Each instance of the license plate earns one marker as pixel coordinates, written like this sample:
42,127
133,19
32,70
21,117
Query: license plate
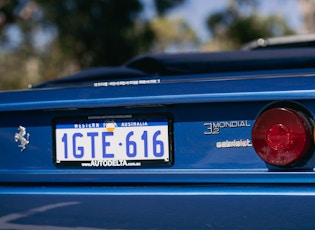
113,141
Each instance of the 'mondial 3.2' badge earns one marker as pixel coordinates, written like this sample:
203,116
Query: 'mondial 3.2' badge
229,134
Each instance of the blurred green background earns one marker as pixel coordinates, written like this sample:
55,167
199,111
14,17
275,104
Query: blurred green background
42,40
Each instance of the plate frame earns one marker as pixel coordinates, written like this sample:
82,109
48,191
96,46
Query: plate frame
122,117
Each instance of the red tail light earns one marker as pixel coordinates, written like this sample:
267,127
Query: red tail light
282,136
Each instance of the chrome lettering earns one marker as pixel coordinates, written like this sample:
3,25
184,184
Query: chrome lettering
213,128
234,143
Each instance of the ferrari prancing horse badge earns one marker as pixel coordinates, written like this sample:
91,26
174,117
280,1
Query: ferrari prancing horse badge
22,137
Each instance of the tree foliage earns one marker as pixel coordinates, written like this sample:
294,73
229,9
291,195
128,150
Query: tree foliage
99,32
240,23
86,33
162,6
172,34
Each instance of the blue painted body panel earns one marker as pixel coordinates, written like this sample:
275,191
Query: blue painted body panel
163,207
206,187
269,85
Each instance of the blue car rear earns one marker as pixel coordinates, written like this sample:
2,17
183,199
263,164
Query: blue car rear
191,141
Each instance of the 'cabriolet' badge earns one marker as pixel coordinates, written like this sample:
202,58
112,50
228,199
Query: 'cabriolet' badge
24,140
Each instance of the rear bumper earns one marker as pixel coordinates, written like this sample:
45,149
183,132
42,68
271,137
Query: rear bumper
216,206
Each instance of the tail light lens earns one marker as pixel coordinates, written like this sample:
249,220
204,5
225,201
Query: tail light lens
282,136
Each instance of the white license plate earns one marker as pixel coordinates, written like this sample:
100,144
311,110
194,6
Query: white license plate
113,142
